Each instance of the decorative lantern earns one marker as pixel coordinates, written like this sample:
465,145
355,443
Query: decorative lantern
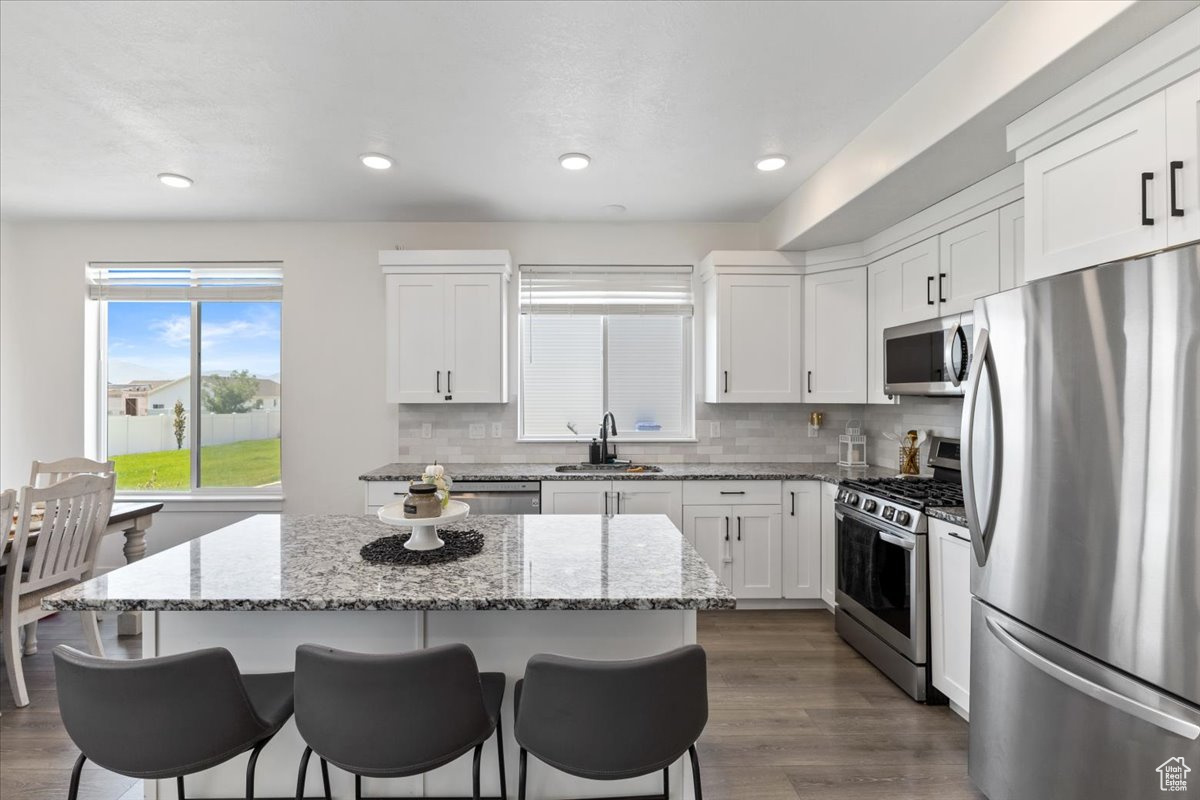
852,446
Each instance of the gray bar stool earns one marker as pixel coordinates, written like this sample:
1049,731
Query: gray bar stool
167,717
608,720
396,715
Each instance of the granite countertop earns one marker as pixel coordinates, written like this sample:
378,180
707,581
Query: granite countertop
289,562
955,514
828,472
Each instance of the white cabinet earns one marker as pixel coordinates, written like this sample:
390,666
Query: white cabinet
1012,245
835,336
802,540
950,610
1128,185
753,338
446,325
900,289
736,527
614,497
757,570
708,530
828,545
968,263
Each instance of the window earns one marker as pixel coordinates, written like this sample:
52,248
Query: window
596,339
190,368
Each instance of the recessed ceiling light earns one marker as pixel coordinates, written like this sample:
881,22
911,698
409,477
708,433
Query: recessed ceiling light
175,181
376,160
771,163
574,160
614,209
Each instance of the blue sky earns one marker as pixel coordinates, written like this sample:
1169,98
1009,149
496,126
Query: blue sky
150,341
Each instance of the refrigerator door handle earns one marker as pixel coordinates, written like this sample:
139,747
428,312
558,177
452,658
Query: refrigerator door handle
980,526
1123,703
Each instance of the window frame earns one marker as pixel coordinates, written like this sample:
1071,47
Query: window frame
259,498
628,437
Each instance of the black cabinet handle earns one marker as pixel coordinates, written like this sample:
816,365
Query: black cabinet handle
439,382
727,529
793,504
929,290
448,389
724,492
726,381
1146,178
739,529
954,535
1176,211
941,279
810,381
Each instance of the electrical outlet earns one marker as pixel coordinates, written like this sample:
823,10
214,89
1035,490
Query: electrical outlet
714,430
476,430
426,430
497,430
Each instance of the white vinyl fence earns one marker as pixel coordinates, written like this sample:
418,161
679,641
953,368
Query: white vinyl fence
148,434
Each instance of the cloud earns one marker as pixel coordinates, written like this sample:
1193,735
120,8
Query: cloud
173,331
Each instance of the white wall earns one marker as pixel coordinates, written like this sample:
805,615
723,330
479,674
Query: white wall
332,324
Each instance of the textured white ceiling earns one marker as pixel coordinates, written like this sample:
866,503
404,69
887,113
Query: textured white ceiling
267,105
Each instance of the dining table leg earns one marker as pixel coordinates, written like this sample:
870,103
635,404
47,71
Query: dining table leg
129,623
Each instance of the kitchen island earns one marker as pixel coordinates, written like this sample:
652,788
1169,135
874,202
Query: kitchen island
586,586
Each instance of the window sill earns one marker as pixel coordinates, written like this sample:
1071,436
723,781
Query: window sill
182,501
630,442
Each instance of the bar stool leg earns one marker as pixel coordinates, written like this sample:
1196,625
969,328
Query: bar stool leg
325,778
521,775
179,787
358,787
695,772
500,756
666,783
73,792
303,772
475,771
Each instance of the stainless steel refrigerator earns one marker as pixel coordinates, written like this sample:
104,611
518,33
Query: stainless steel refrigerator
1081,471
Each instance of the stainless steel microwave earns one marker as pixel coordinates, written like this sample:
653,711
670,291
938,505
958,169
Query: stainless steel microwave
930,357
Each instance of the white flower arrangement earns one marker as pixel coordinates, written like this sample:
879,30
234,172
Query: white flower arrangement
436,474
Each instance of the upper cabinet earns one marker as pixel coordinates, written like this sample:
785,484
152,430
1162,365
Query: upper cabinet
447,325
968,264
1112,162
835,336
753,334
1012,245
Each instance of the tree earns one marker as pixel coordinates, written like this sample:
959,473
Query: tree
180,424
229,394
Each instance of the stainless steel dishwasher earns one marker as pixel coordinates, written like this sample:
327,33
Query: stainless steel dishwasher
499,497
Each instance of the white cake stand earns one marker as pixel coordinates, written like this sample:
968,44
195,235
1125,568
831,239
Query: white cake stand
424,531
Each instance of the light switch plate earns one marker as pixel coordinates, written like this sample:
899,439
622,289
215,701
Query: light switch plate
497,430
476,430
714,430
426,430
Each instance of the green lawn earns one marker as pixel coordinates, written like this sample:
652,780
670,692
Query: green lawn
251,463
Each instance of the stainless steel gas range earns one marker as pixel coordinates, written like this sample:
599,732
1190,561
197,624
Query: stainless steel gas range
883,567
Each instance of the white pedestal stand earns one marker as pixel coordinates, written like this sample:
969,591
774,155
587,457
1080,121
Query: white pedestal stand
424,531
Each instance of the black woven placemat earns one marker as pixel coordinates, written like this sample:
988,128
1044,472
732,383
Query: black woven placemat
390,549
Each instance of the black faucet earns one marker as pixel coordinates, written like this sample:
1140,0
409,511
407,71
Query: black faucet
606,456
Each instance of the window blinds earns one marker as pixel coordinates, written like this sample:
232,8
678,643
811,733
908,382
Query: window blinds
570,290
186,281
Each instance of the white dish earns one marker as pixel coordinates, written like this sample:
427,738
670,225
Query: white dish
424,531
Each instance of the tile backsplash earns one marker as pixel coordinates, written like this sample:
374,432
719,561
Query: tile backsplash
747,433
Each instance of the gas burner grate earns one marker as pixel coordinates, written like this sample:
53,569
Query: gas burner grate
912,492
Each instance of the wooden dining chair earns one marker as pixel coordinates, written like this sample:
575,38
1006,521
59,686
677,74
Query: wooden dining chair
63,553
47,473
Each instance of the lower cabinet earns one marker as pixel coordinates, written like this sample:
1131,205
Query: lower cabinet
614,497
707,529
576,497
950,610
828,544
802,540
741,544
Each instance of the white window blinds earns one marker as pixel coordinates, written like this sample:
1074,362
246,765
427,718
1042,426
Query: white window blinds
186,281
637,290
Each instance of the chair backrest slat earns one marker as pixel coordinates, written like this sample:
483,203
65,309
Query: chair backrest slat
48,473
76,511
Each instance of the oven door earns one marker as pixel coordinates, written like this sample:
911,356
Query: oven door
881,580
929,358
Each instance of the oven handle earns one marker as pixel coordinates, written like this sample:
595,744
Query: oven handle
899,541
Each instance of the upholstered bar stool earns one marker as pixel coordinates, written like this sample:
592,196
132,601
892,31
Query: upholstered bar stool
167,717
609,720
392,716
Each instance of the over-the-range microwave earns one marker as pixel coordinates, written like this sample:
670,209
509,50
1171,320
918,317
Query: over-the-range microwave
930,357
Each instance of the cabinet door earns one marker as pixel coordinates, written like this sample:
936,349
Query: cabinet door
950,609
475,344
828,545
759,319
757,549
802,539
835,336
1183,159
576,497
1084,195
415,314
650,497
968,263
1012,245
900,289
708,530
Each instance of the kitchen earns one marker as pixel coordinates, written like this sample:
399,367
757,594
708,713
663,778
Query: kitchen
748,382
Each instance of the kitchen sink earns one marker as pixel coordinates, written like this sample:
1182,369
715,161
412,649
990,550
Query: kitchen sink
634,468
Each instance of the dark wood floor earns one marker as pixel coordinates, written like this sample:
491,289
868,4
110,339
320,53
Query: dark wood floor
795,715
